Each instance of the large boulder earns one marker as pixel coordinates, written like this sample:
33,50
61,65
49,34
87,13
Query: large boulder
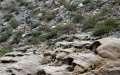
107,48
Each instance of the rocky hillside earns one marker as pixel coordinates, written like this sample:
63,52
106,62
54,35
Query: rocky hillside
59,37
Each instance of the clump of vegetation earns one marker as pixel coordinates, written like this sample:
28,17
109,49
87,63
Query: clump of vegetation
86,1
71,7
102,30
30,7
111,22
35,33
77,18
0,7
44,28
16,38
107,26
49,17
59,19
34,25
89,23
11,8
7,17
105,11
5,50
4,36
24,3
34,12
117,2
14,23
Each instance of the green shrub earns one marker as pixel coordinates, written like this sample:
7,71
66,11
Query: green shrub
44,28
4,36
59,19
34,25
52,34
77,18
27,19
35,33
90,22
86,1
111,22
11,8
117,1
105,11
49,17
24,3
16,38
71,7
30,7
14,23
5,50
7,17
102,30
92,6
34,12
0,7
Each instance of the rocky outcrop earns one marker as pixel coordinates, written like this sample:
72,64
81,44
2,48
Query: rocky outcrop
102,59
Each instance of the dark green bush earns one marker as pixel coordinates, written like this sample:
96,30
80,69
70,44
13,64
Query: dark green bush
111,22
16,38
0,7
117,1
102,30
34,12
24,3
5,50
86,1
49,17
59,19
105,11
35,33
90,22
44,28
77,18
71,7
34,25
14,23
4,36
7,17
